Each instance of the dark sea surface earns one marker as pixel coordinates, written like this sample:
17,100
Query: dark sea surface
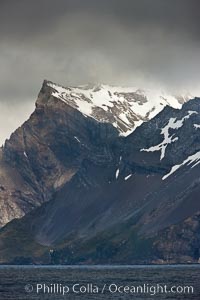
99,282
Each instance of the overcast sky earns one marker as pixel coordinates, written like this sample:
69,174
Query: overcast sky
144,43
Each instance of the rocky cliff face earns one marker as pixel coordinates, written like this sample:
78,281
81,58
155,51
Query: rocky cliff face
101,197
45,153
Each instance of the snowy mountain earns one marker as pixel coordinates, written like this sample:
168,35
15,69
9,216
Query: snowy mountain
92,196
124,107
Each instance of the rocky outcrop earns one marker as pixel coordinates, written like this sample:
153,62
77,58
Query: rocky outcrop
180,243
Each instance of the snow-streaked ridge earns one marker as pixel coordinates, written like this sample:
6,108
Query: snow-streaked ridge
124,107
167,138
195,158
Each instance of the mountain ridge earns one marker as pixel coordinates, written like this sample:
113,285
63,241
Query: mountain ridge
117,203
124,107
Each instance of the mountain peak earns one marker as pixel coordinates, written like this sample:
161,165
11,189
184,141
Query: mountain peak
124,107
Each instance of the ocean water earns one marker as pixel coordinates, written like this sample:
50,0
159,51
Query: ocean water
100,282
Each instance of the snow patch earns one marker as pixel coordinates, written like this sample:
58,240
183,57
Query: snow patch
77,139
196,126
117,173
172,124
129,176
191,159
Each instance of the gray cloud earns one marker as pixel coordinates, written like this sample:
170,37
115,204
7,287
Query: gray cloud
142,42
